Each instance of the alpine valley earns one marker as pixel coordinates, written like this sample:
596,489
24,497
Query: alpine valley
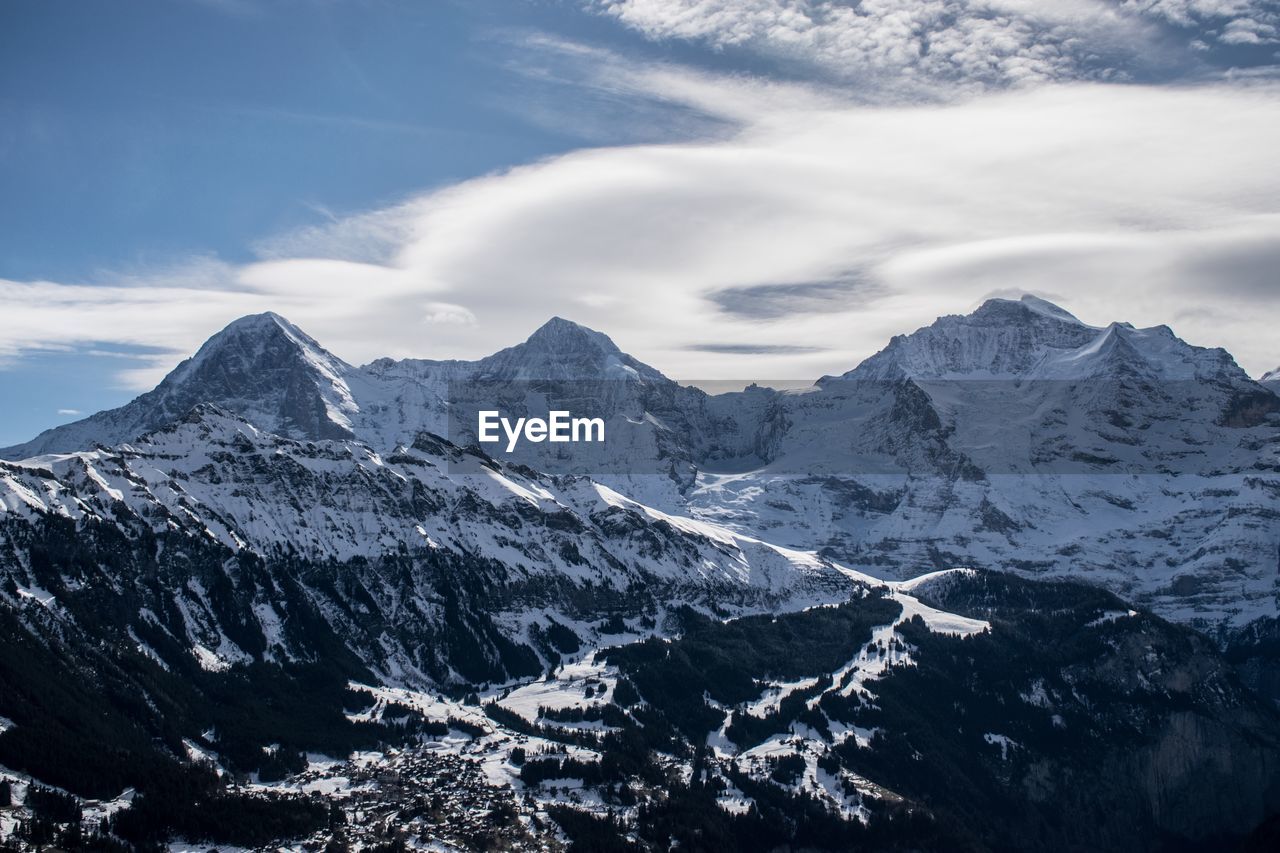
1012,583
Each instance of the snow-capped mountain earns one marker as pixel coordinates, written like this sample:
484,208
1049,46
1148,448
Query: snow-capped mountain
1271,379
261,367
1015,437
268,371
1002,339
960,710
561,350
1030,338
1019,437
648,418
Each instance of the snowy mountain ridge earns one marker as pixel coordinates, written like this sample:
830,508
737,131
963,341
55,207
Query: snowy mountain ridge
271,372
215,478
274,374
1014,437
247,488
1020,438
1032,339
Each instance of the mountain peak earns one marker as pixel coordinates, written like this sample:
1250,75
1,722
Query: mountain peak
262,320
561,335
1033,338
259,367
1027,304
263,327
1048,309
262,364
1003,337
563,349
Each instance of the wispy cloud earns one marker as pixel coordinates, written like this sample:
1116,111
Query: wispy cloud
69,413
773,301
754,349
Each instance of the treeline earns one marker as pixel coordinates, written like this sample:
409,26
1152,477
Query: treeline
727,661
747,730
689,818
193,804
511,720
597,712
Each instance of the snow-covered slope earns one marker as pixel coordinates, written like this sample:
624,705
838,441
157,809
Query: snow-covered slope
1271,379
1003,338
563,545
216,473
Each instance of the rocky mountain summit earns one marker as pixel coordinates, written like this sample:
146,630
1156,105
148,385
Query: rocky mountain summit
261,367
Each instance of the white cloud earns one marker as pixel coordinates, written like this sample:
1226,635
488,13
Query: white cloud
924,45
790,248
68,413
1225,20
920,43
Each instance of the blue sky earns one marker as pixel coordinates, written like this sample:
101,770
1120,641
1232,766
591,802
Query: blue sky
729,189
142,132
